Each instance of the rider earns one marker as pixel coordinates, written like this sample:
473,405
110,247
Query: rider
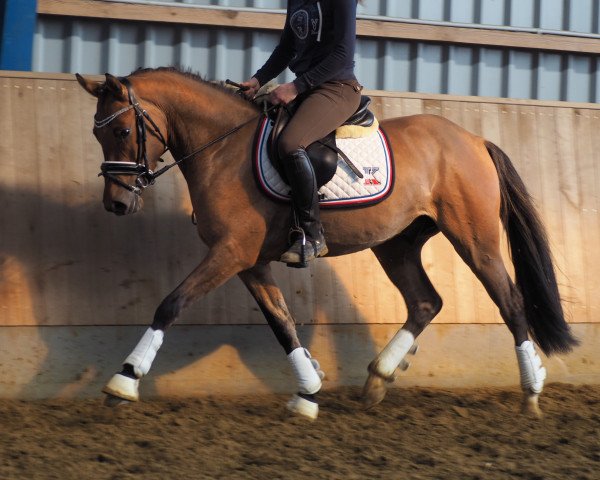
317,43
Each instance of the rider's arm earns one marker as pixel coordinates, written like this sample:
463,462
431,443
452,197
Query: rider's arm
344,37
279,59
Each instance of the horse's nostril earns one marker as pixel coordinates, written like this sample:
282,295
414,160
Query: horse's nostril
119,208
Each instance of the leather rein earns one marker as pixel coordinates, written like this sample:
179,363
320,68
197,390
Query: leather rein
141,168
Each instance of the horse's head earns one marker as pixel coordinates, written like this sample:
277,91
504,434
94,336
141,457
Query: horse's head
130,133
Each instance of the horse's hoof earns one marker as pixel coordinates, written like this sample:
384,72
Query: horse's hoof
123,387
114,402
531,406
374,391
303,407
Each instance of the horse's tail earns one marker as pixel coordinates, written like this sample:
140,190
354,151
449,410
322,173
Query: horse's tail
530,253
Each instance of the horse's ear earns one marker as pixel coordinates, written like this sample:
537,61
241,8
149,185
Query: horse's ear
114,86
90,86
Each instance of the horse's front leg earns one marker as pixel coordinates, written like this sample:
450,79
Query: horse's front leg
262,286
221,263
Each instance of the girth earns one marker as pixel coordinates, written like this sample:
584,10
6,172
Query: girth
323,153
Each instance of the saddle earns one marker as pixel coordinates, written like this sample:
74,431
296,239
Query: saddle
323,153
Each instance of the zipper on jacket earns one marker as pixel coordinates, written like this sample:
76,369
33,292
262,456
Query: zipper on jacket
320,21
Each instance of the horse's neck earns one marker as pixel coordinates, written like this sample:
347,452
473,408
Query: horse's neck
200,116
203,115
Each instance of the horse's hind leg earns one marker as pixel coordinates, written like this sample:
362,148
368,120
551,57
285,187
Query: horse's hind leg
400,257
262,286
477,241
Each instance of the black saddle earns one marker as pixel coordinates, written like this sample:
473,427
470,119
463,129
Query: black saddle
323,153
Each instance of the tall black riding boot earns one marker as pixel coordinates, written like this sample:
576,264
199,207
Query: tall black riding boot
310,243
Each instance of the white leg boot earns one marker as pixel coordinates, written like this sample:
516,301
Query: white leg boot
381,370
308,375
141,360
533,375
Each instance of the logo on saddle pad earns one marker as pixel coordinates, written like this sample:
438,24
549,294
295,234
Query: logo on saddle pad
370,173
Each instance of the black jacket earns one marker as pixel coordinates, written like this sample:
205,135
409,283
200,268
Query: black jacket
317,43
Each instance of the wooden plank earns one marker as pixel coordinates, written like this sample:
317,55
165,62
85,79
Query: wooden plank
26,204
53,226
550,203
231,18
376,297
161,13
476,36
15,292
588,158
593,218
570,196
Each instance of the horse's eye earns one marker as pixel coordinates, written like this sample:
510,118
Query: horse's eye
122,133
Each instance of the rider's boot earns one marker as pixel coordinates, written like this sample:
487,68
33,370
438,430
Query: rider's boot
310,243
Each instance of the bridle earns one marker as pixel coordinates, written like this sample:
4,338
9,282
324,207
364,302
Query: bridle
144,176
140,168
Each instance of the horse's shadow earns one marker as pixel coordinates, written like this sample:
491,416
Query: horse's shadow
83,269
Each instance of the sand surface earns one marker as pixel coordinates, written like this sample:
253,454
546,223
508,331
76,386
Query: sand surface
413,434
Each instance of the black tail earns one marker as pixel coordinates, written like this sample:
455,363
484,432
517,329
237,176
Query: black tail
531,257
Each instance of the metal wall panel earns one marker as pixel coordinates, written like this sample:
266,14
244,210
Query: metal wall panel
567,15
65,44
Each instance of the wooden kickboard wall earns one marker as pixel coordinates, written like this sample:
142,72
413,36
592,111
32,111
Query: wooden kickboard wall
65,261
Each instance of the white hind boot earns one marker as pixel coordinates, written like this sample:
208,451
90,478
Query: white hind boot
533,375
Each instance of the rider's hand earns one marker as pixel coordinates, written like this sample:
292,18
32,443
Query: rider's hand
283,94
253,87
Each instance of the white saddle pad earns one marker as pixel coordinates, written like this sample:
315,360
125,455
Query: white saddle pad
371,155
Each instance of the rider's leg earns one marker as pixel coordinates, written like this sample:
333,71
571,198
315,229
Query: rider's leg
322,110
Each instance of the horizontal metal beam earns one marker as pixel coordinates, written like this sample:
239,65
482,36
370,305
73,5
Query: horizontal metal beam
245,18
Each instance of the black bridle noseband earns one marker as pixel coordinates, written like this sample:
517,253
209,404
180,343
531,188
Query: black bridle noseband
140,168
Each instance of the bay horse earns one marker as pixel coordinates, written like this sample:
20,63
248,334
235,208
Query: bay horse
452,181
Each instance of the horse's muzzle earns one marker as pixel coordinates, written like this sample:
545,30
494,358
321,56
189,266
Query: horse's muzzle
124,205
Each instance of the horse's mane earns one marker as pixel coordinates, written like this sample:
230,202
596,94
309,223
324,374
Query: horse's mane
189,73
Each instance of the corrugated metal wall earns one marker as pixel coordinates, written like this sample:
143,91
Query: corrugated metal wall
69,44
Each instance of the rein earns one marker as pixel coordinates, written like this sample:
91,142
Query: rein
140,168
